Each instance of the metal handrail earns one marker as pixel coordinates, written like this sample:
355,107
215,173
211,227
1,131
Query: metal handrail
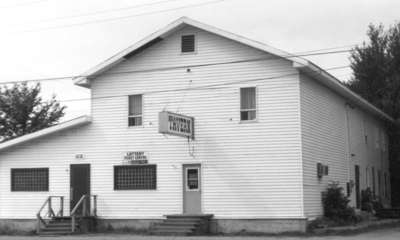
50,211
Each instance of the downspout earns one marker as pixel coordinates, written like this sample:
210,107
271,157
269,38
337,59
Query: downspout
348,145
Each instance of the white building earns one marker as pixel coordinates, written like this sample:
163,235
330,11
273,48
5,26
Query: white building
263,120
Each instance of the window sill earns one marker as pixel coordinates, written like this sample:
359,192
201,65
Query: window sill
139,126
248,121
147,190
188,53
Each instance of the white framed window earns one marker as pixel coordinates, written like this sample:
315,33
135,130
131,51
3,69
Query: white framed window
135,117
192,179
248,104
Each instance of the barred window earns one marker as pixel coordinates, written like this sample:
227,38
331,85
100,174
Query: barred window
29,179
135,177
247,104
187,43
135,110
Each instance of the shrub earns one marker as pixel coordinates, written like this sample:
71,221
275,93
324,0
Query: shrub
367,199
369,202
336,205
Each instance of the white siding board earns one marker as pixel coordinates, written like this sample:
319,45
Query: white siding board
325,139
250,170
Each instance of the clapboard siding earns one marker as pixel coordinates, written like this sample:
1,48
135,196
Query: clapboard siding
329,138
249,170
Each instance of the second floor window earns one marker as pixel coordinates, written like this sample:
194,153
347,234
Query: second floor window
135,117
247,104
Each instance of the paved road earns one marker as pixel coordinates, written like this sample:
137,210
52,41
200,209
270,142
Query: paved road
384,234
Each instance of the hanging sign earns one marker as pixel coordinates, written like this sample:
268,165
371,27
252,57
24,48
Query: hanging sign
136,158
176,124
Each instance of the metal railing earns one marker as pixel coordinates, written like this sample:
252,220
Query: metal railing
50,211
83,204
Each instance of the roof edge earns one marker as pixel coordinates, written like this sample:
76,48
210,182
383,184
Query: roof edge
82,120
84,79
333,83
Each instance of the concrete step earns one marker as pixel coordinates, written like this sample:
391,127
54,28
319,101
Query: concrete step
189,216
60,225
180,232
61,219
169,227
183,220
188,224
57,228
183,224
60,222
57,233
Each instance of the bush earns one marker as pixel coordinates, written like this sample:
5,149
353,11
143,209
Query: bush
336,205
369,202
367,199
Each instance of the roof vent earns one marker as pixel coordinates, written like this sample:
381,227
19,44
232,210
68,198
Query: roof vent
187,43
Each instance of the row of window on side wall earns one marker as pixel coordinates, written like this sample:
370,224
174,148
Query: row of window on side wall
248,105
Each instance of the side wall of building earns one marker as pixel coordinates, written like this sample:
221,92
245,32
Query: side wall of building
340,136
250,170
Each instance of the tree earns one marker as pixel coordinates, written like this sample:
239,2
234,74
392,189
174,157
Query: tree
23,111
376,68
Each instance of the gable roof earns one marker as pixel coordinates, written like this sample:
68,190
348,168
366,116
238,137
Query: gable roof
299,63
47,131
162,33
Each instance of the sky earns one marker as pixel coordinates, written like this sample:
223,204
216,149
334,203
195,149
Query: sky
58,38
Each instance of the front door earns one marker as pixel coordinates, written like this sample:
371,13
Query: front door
79,184
191,189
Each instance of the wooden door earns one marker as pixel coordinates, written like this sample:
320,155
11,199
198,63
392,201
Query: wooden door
79,184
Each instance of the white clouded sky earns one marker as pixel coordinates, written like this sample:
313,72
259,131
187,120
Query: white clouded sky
47,38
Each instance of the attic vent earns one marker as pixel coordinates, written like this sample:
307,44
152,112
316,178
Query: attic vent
187,43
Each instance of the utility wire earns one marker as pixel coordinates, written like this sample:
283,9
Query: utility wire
22,4
204,87
107,11
332,48
176,67
122,17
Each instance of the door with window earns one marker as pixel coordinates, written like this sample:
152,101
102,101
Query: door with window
191,188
